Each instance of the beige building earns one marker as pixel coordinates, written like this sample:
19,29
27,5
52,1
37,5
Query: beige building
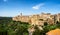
38,19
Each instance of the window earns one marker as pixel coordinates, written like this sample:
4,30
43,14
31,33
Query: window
41,19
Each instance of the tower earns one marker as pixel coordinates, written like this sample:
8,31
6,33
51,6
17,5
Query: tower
20,14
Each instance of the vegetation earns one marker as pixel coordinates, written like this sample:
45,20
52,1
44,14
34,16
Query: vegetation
10,27
46,28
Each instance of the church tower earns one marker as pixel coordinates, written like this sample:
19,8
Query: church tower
20,14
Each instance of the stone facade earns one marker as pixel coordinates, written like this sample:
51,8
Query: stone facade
38,19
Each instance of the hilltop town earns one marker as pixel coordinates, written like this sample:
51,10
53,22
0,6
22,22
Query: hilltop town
36,24
38,19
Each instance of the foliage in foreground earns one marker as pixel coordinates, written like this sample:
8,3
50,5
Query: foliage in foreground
46,28
10,27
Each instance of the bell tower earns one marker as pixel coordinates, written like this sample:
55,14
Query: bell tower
20,14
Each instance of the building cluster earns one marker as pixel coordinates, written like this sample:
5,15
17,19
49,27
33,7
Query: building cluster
38,19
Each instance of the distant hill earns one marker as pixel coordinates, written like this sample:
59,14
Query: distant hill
5,18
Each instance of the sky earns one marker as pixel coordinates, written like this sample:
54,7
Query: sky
13,8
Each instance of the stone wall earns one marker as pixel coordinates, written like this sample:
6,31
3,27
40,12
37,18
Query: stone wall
38,19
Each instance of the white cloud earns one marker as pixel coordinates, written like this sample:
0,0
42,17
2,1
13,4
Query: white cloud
4,0
36,7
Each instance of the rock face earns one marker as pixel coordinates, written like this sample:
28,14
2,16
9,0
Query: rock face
31,30
38,19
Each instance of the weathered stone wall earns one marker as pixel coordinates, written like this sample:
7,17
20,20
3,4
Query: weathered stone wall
38,19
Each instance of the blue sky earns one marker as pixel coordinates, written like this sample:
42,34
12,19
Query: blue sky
28,7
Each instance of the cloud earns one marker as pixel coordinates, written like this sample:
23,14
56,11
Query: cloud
36,7
4,0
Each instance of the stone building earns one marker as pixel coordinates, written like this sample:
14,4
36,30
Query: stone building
38,19
58,17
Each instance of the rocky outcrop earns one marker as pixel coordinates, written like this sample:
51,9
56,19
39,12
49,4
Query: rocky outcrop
38,19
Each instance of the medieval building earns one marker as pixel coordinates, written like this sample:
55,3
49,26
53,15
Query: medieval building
38,19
